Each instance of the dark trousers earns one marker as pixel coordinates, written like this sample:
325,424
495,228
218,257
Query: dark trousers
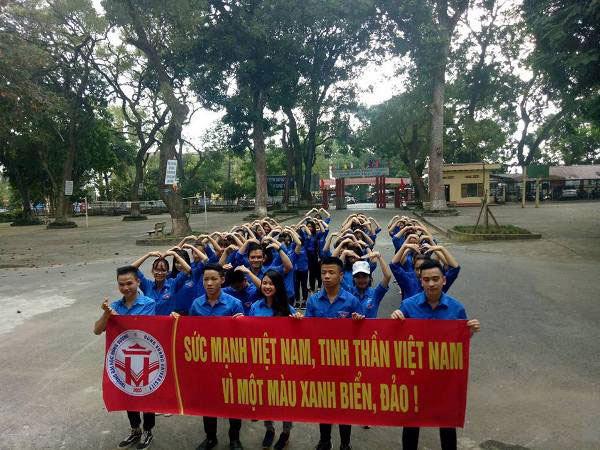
314,271
410,438
345,431
301,281
210,428
135,420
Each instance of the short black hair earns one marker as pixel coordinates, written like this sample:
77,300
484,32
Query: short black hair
234,277
127,269
331,260
254,246
432,264
215,267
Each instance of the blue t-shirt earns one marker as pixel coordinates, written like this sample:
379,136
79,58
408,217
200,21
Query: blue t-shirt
165,295
247,296
411,285
301,262
371,299
449,308
143,306
318,305
226,305
260,308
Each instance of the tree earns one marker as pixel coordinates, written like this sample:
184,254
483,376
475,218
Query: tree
566,49
249,46
64,35
159,30
335,39
138,94
424,30
400,127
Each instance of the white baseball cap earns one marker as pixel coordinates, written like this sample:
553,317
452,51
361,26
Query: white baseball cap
361,267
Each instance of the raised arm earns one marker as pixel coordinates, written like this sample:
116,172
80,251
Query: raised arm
443,251
138,262
100,324
197,253
180,260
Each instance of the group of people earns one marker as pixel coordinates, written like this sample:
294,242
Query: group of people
266,269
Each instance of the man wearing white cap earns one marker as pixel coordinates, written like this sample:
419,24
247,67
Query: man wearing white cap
369,297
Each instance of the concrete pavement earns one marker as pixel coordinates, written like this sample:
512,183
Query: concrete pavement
534,367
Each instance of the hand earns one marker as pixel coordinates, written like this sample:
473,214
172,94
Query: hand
155,253
232,248
236,315
227,267
274,245
357,316
188,246
106,307
297,316
474,326
242,268
175,315
372,255
397,314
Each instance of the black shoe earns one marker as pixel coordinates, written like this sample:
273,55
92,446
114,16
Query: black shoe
345,447
366,427
235,445
207,444
135,436
282,442
268,439
145,441
323,445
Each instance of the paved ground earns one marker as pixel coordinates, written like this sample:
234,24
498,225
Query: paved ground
535,370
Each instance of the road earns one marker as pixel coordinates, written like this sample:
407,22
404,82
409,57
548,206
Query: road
535,369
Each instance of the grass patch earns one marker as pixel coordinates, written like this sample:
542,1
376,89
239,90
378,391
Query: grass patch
501,229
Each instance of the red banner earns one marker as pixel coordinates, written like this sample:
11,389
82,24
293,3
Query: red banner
368,372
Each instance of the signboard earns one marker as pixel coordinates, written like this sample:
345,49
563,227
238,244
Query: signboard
68,187
368,372
171,172
538,171
361,173
141,189
277,182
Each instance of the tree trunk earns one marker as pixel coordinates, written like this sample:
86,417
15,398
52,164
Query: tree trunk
417,181
297,152
23,189
289,159
167,151
437,196
136,210
63,205
260,165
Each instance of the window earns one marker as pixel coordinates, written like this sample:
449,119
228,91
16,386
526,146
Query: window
471,190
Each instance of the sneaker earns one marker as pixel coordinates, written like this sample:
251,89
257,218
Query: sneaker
145,441
235,445
282,442
366,427
134,437
268,439
207,444
323,445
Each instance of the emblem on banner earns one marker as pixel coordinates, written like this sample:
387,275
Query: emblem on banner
136,363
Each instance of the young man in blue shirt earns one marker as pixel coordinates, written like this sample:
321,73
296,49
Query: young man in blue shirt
333,302
133,303
432,303
213,303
